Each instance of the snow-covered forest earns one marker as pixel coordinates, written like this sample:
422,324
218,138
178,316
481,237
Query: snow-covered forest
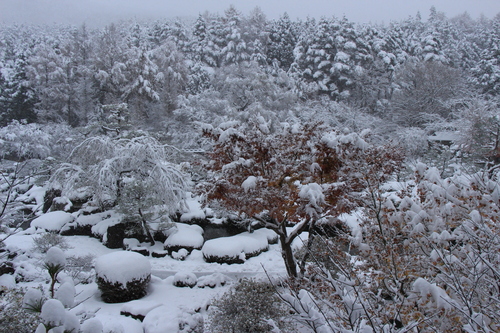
234,173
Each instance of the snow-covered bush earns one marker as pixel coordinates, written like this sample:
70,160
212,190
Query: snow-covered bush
54,263
47,240
33,300
425,255
184,236
213,280
162,319
92,325
122,276
250,306
79,268
53,314
185,279
132,173
13,317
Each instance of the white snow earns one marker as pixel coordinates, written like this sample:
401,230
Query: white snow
32,298
66,294
234,246
185,235
161,320
8,281
195,211
55,256
185,279
101,228
213,280
122,267
92,325
53,313
53,221
139,307
250,183
71,323
439,296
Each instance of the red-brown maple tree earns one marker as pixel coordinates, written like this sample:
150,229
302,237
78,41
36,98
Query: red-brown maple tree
293,176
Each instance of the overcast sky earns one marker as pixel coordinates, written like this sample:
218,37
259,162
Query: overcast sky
103,11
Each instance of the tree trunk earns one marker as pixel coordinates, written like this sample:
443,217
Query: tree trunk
287,253
146,228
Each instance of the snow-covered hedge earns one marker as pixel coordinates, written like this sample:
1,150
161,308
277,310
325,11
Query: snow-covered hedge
122,276
184,236
236,249
185,279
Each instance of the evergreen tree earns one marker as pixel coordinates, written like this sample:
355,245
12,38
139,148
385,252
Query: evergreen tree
235,49
18,99
283,37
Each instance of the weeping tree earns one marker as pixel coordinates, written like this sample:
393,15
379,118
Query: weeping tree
133,175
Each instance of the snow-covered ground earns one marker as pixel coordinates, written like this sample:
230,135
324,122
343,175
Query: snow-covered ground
165,303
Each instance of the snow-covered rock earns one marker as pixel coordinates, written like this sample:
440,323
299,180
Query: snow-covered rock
235,249
53,221
195,211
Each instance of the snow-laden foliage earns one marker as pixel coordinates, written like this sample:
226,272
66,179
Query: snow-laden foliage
122,267
294,174
110,165
122,276
427,260
250,306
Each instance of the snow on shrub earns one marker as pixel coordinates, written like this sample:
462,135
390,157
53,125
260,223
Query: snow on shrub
53,313
71,323
92,326
138,309
55,257
122,276
180,255
53,221
184,236
213,280
33,300
66,294
195,212
185,279
235,249
161,319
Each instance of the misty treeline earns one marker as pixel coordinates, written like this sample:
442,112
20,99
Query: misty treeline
410,78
